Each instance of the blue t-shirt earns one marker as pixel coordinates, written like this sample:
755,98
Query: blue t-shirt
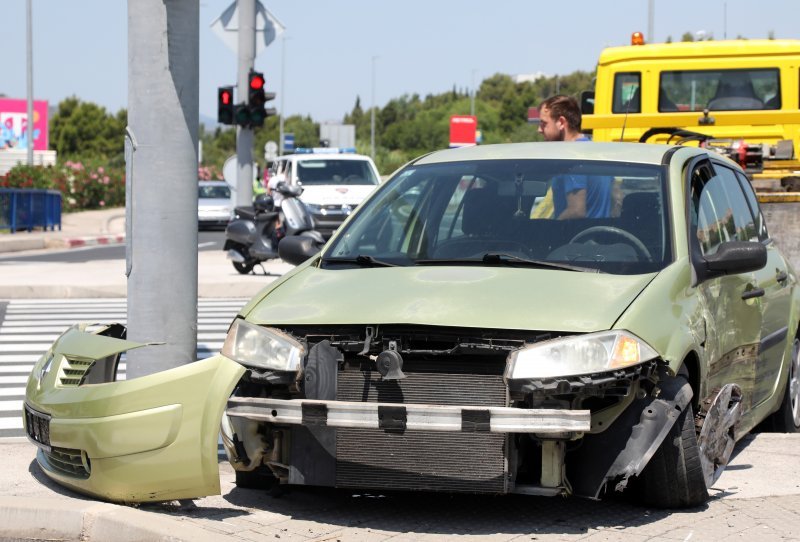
598,192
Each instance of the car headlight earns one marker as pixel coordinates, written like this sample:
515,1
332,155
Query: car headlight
578,355
264,347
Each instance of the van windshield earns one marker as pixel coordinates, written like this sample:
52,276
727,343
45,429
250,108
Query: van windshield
719,90
333,171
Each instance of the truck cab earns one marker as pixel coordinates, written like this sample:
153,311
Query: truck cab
739,97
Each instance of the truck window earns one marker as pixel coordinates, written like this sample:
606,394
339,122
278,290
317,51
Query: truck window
627,93
719,90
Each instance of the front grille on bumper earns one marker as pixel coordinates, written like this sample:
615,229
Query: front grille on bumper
66,462
422,460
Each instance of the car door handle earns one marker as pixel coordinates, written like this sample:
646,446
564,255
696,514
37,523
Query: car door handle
755,292
781,276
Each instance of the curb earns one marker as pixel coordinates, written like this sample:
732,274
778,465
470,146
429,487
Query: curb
76,242
48,519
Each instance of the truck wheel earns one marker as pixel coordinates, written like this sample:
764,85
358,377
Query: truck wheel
791,183
674,476
787,418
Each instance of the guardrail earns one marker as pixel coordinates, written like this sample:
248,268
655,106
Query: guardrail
25,209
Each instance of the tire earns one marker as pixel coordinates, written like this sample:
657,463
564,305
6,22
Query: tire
261,478
674,476
787,418
243,268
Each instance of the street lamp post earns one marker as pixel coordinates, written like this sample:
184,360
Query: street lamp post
372,113
283,93
472,98
29,129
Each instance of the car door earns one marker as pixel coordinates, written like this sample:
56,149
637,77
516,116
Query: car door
730,304
775,305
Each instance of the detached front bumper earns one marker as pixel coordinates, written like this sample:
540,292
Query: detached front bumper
153,438
392,416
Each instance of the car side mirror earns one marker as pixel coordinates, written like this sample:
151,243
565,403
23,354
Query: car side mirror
736,257
297,249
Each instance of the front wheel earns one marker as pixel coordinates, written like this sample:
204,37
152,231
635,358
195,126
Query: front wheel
243,267
674,476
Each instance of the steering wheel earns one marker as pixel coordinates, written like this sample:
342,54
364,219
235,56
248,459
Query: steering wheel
627,236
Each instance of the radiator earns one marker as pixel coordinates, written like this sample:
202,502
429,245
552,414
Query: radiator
422,460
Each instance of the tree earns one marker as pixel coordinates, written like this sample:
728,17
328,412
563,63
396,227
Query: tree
84,130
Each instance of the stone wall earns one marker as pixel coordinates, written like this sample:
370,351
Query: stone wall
782,213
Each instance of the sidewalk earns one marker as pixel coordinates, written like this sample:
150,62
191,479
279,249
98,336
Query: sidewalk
104,226
106,278
756,498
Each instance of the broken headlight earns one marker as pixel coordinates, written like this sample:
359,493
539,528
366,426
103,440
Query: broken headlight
263,347
578,355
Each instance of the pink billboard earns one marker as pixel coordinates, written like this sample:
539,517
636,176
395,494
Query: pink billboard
14,124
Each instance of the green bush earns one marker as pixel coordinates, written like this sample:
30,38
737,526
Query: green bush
83,185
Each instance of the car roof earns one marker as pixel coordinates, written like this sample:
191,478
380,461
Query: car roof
213,183
580,150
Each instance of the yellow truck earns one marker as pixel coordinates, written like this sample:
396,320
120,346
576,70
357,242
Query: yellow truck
739,97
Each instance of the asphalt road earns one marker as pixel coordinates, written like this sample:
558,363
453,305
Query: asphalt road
207,240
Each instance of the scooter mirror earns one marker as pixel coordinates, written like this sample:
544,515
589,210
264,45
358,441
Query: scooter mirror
297,249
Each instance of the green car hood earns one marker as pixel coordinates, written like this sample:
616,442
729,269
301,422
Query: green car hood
476,297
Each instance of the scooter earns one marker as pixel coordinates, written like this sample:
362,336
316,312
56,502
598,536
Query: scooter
252,236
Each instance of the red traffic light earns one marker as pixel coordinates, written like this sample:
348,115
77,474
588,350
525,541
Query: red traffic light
256,81
225,97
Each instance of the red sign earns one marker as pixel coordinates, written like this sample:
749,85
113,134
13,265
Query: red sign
14,124
533,115
462,130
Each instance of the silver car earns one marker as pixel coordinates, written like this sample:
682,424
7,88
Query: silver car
214,204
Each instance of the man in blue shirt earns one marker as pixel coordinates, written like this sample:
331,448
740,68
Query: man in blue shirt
574,196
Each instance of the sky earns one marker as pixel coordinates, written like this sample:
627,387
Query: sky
332,46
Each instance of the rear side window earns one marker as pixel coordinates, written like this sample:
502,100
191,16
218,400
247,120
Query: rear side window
719,90
627,93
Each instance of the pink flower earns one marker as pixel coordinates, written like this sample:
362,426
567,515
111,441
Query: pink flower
105,179
102,203
100,170
93,175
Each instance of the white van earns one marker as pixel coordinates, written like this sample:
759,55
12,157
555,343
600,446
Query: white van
334,182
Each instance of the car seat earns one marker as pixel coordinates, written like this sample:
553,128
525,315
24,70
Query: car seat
735,91
641,216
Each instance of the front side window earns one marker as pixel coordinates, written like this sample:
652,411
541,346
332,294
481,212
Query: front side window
722,212
465,213
332,171
719,90
627,93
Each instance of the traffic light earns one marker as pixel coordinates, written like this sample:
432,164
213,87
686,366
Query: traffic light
225,105
256,100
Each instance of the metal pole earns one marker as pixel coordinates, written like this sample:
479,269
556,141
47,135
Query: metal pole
472,98
651,8
244,136
161,164
725,20
29,129
372,113
283,93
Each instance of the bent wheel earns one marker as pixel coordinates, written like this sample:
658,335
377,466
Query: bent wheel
716,439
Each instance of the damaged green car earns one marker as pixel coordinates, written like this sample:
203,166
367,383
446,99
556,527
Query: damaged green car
460,334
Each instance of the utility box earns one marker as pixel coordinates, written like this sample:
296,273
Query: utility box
338,135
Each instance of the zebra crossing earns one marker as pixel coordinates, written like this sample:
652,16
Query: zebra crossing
29,327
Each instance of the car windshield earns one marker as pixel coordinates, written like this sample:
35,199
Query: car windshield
332,171
214,192
513,212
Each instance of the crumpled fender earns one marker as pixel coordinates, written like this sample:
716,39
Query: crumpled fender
153,438
625,448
